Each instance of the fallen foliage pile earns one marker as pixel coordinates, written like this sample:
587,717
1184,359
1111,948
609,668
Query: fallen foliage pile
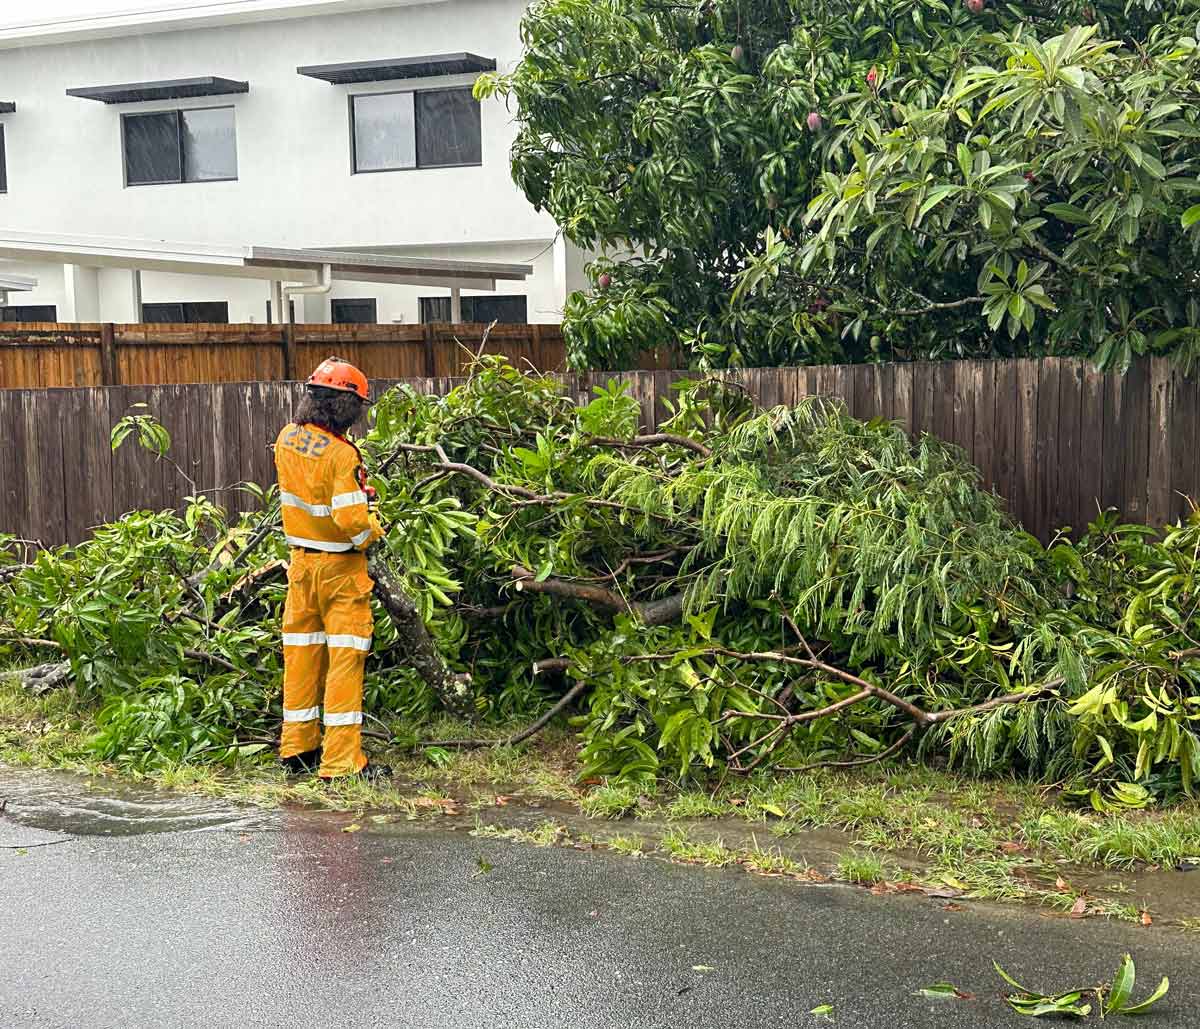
738,591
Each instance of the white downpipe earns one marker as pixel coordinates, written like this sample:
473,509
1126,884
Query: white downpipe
323,286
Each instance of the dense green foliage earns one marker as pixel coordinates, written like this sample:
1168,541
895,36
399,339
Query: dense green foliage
804,182
779,529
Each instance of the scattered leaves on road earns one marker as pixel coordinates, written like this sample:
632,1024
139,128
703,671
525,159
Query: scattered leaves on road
822,1011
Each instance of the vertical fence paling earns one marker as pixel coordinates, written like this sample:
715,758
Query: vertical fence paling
1056,439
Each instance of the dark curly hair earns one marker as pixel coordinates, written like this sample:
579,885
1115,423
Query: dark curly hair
331,409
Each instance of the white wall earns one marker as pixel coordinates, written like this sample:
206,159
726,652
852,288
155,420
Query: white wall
295,186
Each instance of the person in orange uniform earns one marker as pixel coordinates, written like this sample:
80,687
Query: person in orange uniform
327,621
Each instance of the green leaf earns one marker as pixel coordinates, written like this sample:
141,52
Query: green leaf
1190,216
1122,986
822,1011
1154,998
936,196
1008,978
1070,213
939,991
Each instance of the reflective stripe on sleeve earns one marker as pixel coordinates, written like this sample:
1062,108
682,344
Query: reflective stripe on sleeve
361,538
301,714
343,718
320,510
350,642
303,639
326,545
347,500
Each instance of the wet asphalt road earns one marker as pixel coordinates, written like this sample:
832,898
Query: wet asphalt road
288,921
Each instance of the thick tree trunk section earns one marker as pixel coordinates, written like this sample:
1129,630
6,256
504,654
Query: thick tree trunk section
44,678
454,691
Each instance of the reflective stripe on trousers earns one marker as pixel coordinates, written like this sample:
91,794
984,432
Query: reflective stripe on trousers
327,626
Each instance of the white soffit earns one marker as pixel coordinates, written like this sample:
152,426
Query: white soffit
172,15
303,266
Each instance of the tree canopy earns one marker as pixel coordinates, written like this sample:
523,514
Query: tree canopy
803,181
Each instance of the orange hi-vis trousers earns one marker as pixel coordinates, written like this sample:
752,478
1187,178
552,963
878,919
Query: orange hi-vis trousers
327,625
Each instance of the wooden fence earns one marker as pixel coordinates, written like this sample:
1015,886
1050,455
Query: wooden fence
1053,437
44,354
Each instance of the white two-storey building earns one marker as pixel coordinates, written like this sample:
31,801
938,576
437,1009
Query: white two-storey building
135,147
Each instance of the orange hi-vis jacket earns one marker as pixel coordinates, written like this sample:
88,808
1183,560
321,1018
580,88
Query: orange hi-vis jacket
321,491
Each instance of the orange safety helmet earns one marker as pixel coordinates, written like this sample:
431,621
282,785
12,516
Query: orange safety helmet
334,373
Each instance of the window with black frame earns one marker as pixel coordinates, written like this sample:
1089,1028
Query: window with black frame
180,146
348,311
176,313
437,128
505,310
3,162
29,313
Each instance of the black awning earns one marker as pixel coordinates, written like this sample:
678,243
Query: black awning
170,89
7,106
399,68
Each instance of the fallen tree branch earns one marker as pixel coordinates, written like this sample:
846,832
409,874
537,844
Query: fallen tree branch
189,652
483,613
650,612
784,723
422,654
269,522
654,439
211,659
255,579
518,494
634,559
530,730
31,641
12,571
883,755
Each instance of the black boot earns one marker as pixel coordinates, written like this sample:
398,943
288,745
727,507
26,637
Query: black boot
374,773
302,764
370,772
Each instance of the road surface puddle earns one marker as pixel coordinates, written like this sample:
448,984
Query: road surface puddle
75,805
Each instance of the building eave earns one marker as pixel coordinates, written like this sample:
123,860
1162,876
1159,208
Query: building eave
252,261
172,16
